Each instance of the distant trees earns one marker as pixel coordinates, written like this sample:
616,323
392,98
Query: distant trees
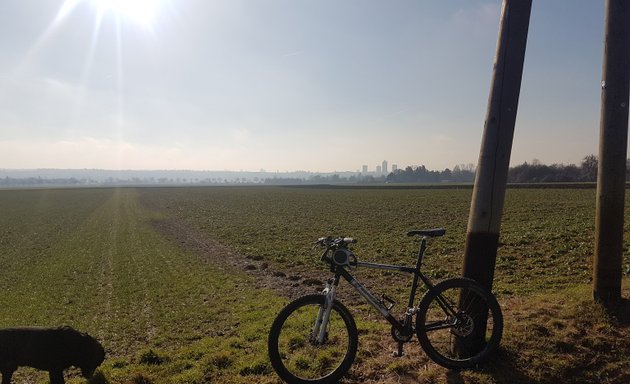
420,174
39,182
555,173
541,173
534,172
589,168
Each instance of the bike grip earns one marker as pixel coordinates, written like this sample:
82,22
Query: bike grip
349,240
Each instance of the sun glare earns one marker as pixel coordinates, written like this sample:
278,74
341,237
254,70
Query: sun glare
142,12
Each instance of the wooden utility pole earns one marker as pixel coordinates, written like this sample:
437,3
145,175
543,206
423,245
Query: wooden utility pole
484,220
613,143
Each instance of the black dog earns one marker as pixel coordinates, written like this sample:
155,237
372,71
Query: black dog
48,349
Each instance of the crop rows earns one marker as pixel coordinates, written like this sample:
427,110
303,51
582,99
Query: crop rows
181,284
546,240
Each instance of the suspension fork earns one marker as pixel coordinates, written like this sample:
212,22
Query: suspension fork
323,315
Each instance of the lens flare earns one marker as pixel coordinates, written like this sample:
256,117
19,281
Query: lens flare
142,12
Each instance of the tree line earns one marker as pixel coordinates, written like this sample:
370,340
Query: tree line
420,174
534,172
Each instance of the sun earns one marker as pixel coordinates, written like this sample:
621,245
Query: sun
141,12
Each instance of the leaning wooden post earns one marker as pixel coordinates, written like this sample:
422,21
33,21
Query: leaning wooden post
484,220
613,142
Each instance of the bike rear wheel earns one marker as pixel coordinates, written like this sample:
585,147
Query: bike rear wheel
459,323
294,352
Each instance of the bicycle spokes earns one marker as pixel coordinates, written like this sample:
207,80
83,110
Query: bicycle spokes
308,349
457,323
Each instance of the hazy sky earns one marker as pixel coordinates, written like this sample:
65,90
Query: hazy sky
285,84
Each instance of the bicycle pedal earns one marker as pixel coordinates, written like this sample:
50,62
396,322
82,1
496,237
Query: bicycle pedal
399,350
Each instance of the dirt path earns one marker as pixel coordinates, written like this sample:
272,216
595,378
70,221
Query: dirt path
289,284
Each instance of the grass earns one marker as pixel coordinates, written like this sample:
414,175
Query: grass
579,339
90,259
546,240
93,259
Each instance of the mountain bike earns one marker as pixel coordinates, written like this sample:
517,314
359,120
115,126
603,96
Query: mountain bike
314,339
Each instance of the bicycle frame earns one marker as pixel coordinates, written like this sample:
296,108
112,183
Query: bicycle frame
370,298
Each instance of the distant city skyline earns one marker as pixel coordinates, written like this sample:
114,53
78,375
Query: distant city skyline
381,168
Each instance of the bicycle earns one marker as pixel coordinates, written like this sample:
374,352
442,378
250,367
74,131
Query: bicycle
314,339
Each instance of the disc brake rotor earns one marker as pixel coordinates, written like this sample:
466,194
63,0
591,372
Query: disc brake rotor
464,325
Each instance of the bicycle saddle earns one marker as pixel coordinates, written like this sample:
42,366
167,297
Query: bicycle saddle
435,232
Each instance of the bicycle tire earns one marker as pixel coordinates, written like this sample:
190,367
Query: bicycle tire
291,331
457,346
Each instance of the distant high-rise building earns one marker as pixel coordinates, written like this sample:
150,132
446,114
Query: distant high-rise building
364,169
394,167
378,169
384,169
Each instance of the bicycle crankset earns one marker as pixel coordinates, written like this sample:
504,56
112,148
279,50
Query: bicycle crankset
402,337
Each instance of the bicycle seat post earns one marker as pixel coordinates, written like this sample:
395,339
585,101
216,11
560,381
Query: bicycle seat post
423,247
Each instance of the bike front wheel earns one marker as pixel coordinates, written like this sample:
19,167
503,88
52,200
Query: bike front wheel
294,350
459,323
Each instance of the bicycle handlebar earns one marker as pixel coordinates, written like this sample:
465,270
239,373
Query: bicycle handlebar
336,252
330,242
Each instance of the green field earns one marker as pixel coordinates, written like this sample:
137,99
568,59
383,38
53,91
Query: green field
181,284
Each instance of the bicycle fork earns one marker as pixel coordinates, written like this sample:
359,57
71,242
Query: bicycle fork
323,315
